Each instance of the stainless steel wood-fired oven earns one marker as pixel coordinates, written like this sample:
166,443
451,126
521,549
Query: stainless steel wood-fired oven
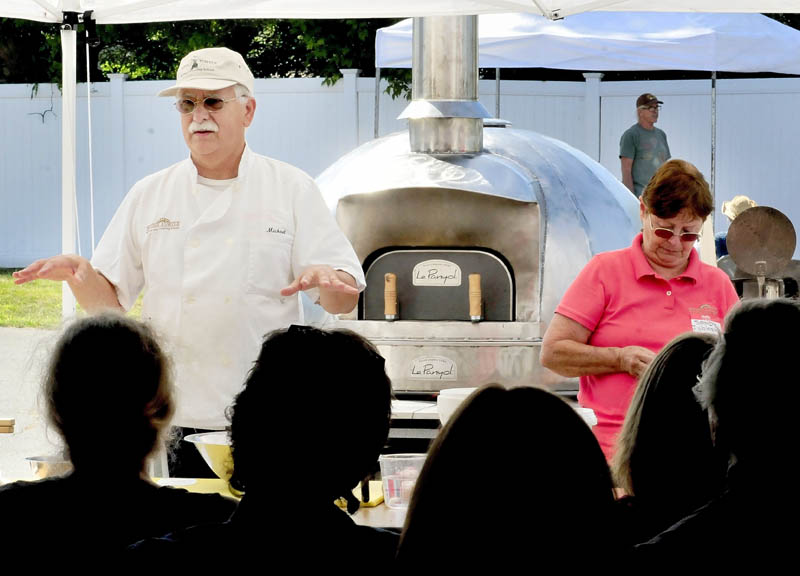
452,198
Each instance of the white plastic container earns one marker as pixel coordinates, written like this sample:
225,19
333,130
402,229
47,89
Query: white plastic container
450,399
399,473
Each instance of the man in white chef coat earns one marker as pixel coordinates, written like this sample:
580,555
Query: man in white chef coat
221,243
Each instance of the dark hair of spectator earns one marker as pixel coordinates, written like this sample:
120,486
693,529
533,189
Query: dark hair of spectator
515,477
756,355
678,185
313,415
108,393
665,455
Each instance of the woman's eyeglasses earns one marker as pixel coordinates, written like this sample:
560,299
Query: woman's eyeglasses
666,233
211,103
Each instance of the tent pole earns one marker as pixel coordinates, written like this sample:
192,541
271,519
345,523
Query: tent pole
377,132
68,230
91,40
708,252
713,132
497,92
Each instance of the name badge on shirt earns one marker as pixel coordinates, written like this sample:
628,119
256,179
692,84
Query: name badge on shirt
705,319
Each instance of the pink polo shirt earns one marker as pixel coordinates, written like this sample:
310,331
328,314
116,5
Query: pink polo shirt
624,302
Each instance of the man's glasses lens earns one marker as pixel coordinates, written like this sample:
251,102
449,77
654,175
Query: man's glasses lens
187,105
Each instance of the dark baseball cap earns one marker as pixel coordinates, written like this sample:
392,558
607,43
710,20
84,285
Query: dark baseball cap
647,100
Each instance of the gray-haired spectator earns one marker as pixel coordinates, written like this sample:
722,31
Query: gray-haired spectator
731,208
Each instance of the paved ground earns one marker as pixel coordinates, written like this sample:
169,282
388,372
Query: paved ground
22,355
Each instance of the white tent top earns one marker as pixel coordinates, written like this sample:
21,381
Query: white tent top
127,11
620,41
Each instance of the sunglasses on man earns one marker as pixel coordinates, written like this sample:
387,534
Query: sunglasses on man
210,103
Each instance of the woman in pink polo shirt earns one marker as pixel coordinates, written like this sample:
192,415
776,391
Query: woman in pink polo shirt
625,305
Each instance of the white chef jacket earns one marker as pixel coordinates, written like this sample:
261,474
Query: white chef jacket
212,277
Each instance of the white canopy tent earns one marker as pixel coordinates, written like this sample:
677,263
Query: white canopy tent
619,41
622,41
68,12
129,11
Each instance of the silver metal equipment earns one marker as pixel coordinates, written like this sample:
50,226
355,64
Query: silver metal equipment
761,241
481,227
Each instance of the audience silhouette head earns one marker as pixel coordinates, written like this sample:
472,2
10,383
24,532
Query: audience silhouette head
313,415
108,393
515,475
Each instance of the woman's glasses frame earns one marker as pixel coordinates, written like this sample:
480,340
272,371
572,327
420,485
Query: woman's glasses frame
667,234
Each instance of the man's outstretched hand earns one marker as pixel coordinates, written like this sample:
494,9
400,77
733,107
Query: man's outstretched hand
92,290
337,289
64,267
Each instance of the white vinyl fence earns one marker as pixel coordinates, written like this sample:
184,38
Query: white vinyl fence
310,125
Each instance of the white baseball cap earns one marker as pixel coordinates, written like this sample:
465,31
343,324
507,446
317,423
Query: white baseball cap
736,205
211,69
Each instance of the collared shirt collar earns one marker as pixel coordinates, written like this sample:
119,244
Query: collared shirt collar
243,164
642,268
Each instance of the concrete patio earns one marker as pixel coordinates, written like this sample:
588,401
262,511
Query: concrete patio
22,356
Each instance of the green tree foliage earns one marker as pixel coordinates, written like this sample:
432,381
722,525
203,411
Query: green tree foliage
792,20
153,51
31,51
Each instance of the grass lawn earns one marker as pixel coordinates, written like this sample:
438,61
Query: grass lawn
35,304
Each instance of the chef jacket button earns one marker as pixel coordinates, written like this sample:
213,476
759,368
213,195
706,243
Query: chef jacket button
189,299
669,292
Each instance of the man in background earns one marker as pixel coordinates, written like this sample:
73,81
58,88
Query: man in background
643,147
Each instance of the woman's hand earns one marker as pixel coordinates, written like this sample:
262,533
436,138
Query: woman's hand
565,351
634,360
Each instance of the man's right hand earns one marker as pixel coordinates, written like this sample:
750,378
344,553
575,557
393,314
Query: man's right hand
91,289
627,172
64,267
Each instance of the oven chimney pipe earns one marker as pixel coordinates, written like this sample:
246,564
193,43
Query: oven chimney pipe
445,116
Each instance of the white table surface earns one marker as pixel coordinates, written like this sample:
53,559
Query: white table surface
414,410
380,516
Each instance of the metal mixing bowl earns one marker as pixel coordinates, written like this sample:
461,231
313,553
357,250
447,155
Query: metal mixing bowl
49,466
215,448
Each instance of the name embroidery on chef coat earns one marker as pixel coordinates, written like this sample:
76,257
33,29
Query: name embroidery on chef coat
163,224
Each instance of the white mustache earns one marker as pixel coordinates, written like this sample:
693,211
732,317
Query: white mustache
204,126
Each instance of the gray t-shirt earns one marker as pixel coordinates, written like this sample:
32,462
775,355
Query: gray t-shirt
649,150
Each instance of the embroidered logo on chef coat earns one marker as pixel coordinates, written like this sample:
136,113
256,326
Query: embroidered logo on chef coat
164,224
276,230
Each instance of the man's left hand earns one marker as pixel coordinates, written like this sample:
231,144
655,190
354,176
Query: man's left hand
338,293
322,277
